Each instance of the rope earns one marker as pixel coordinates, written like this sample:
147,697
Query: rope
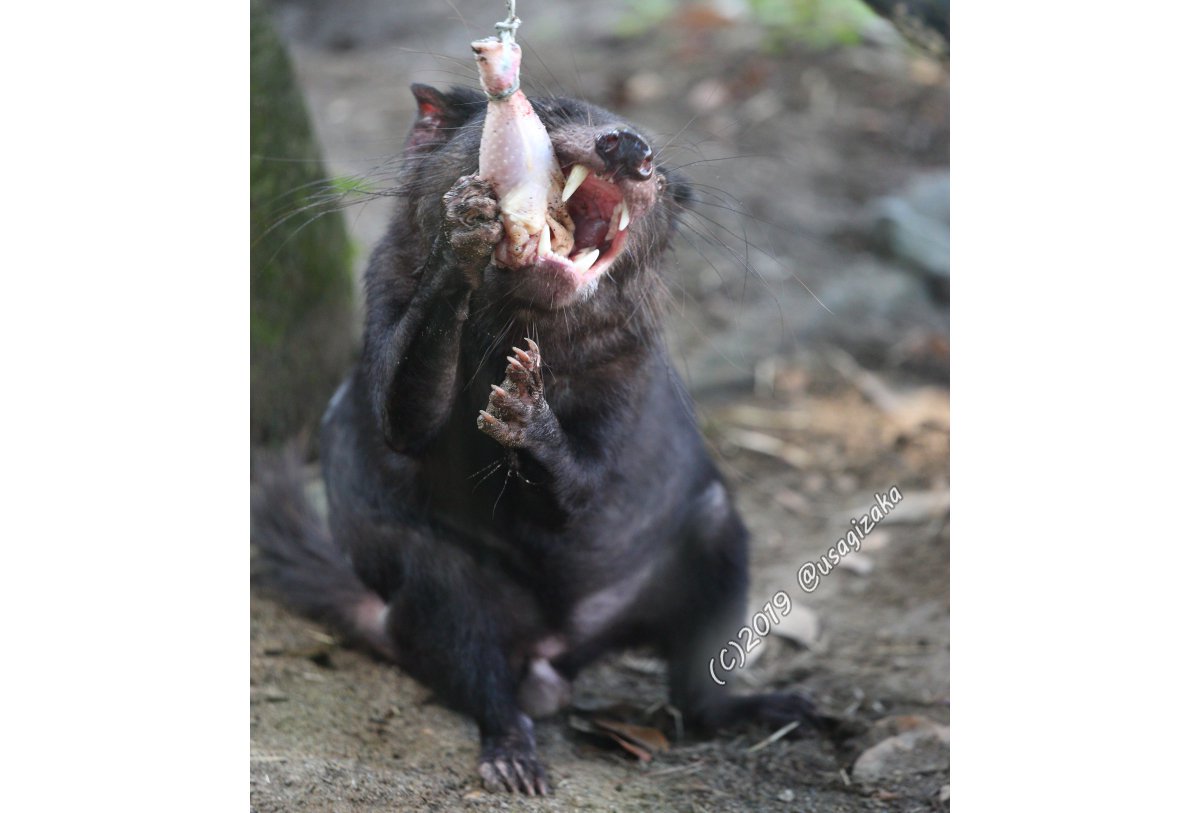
507,29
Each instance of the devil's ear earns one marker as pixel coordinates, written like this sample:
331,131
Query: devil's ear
439,115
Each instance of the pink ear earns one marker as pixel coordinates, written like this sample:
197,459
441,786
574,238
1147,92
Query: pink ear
434,116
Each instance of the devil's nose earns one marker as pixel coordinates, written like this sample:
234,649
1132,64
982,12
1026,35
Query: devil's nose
625,154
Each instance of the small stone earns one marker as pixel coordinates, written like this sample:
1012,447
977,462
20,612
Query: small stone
922,746
858,563
800,625
896,724
786,795
267,695
913,226
877,540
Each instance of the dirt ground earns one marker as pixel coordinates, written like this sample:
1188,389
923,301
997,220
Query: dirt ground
818,357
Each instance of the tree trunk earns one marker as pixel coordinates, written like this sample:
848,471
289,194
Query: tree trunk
301,285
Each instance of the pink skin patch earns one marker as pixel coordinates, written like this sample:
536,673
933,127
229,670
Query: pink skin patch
370,619
543,691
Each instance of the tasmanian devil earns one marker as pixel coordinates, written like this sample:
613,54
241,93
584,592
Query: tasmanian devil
515,480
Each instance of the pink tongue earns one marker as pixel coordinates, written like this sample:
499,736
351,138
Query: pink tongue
590,232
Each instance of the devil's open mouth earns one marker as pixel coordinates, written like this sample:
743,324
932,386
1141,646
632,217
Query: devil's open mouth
601,218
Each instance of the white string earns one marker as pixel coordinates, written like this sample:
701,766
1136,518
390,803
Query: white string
507,29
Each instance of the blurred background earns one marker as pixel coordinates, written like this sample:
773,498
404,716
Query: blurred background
809,317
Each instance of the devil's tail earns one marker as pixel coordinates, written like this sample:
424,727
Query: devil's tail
298,563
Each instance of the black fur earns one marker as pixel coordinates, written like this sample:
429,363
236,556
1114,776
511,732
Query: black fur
492,556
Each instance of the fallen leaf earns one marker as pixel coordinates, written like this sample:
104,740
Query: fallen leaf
641,741
640,753
649,738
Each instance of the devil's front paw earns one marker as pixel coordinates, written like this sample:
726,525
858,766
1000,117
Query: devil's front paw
516,410
472,220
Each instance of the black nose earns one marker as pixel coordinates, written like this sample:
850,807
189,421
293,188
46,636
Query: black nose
625,154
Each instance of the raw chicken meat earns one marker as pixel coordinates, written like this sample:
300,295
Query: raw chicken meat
517,157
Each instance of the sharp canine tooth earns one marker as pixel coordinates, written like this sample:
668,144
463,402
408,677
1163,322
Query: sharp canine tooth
624,208
586,260
612,223
544,241
578,173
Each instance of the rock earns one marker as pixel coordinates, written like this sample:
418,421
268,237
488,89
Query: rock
800,625
786,795
267,695
897,724
876,541
921,745
779,654
857,563
924,23
914,227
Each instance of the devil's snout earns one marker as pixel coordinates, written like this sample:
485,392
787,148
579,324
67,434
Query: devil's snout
625,154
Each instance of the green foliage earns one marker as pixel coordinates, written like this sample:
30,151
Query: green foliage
817,23
642,16
350,185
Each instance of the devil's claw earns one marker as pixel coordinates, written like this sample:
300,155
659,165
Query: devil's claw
472,222
510,763
514,407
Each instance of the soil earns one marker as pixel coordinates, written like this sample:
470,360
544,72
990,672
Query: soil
820,372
